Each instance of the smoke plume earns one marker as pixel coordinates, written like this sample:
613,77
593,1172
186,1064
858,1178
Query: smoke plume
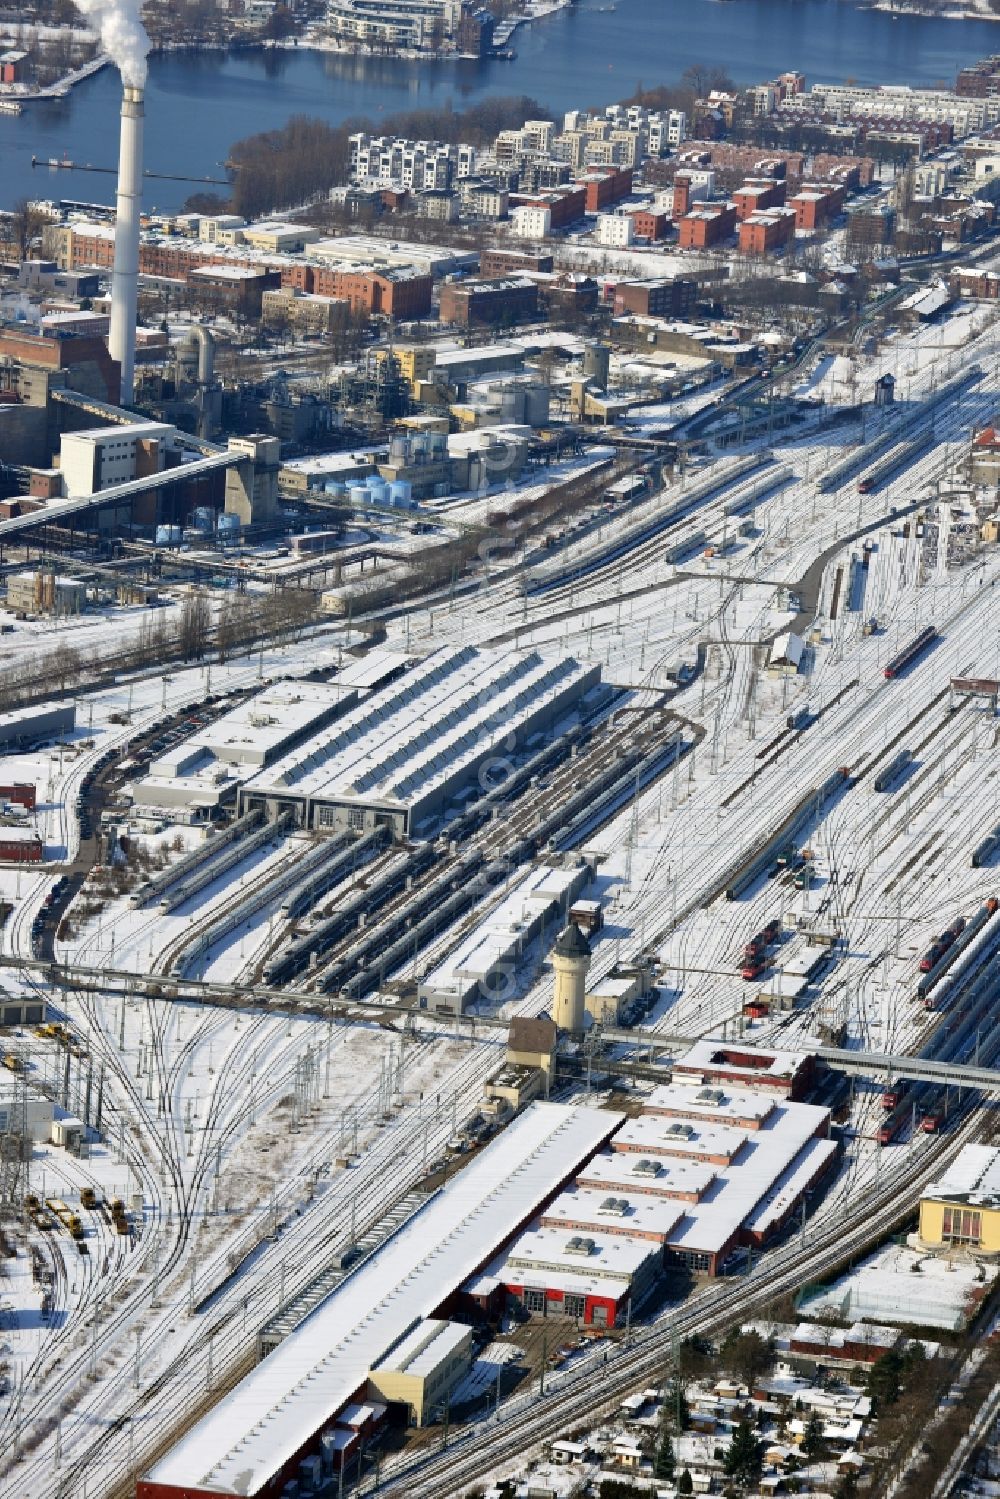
123,36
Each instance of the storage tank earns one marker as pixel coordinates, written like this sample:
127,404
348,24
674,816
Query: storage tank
511,403
379,491
398,447
336,487
359,495
168,536
401,493
597,364
536,405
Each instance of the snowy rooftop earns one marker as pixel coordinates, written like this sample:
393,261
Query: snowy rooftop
371,669
776,1164
422,1350
257,727
433,726
502,930
711,1055
652,1134
552,1251
244,1441
973,1177
732,1106
635,1173
613,1213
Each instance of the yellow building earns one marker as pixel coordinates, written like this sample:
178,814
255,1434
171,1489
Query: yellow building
963,1208
423,1369
416,363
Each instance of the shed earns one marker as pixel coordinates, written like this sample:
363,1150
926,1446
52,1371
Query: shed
785,657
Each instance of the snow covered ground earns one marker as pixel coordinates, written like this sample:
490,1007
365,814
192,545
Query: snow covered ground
231,1122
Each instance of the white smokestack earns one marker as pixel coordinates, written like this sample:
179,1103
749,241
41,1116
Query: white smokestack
125,278
123,36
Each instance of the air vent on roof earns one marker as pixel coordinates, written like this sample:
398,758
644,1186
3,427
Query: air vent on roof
581,1246
645,1167
678,1128
710,1095
616,1206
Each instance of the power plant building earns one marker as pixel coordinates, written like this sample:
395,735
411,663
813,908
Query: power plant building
407,753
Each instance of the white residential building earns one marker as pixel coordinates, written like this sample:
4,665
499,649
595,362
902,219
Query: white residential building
615,230
394,23
531,221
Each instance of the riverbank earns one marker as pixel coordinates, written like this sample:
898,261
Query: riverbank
17,93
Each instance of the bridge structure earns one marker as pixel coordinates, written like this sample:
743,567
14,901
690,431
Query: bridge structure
881,1066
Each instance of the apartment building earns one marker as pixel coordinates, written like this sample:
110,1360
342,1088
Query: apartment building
420,24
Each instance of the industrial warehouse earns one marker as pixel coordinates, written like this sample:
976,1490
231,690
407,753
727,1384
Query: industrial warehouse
255,1439
398,759
557,1216
698,1173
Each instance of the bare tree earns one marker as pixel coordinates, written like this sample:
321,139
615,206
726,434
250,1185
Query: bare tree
195,624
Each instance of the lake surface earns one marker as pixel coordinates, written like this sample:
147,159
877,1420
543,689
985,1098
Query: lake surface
198,104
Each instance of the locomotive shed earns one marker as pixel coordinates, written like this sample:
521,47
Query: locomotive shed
402,756
252,1442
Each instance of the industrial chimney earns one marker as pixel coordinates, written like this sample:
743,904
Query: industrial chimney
125,278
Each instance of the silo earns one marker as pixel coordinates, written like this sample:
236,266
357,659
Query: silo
597,364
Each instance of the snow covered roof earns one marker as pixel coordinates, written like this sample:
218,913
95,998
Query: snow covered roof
734,1106
768,1175
442,718
973,1177
713,1056
423,1349
240,1445
653,1134
655,1176
583,1208
542,1256
500,935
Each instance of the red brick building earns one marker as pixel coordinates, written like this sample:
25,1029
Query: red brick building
754,196
766,231
20,846
816,204
566,205
20,793
709,224
497,262
605,186
489,302
398,292
650,225
671,298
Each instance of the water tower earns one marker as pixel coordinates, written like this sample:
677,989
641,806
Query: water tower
571,960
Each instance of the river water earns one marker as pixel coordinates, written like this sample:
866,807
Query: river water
197,104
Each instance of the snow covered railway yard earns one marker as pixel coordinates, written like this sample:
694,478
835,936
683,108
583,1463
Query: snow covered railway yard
629,719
